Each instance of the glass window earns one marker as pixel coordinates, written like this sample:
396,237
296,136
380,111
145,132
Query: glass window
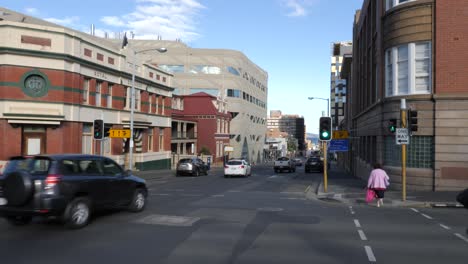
86,139
150,139
423,67
161,139
232,70
109,96
85,90
98,93
172,68
205,69
69,167
389,71
210,91
402,69
90,167
111,168
393,3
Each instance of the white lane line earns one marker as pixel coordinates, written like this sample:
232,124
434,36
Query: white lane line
425,215
234,191
444,226
293,198
415,210
190,195
370,254
218,195
352,212
362,235
356,222
461,237
160,194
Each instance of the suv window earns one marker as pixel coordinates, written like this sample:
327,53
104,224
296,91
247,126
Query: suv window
91,167
111,168
185,161
283,159
69,167
31,165
234,162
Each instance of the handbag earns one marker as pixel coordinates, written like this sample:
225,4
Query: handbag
370,195
462,198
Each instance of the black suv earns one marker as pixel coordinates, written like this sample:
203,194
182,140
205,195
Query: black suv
68,186
191,166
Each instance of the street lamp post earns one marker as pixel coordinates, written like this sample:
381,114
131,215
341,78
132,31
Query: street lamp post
132,102
326,99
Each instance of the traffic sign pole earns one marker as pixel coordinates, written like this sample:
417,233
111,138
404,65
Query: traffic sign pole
403,153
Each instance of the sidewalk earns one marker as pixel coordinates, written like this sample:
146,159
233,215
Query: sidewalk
348,189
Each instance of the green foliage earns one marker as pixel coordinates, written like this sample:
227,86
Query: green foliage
205,151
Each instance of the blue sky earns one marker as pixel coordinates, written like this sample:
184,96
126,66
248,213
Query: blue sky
290,39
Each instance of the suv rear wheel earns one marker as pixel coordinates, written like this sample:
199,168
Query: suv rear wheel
77,213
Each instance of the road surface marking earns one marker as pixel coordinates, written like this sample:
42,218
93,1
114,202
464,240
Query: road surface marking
415,210
461,237
160,194
444,226
370,254
356,222
190,195
218,195
168,220
274,176
362,235
234,191
293,198
425,215
307,189
295,193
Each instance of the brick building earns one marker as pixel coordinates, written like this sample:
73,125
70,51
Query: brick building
413,50
55,81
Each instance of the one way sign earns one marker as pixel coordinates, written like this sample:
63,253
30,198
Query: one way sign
402,137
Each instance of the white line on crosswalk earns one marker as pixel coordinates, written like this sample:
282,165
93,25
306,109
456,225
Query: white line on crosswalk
415,210
444,226
370,254
362,235
425,215
461,237
160,194
356,222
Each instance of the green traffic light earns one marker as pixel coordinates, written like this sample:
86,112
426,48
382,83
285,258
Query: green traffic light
325,134
392,129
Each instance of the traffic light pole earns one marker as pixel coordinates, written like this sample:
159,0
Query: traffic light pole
325,167
403,150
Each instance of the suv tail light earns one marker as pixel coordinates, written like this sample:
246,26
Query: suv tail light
50,182
242,166
226,167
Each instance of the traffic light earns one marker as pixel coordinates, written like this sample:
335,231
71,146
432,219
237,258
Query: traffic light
412,120
325,129
98,129
392,125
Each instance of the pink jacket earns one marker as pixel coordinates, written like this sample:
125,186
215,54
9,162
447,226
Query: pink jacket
378,179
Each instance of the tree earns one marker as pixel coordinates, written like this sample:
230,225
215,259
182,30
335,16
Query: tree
292,144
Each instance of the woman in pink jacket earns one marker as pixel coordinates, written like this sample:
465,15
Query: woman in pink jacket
378,181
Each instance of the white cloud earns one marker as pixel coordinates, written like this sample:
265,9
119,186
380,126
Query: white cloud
170,19
67,21
296,8
32,11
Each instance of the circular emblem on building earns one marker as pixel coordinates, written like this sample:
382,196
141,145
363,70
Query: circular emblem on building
35,84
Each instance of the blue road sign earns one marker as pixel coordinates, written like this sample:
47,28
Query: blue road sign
338,145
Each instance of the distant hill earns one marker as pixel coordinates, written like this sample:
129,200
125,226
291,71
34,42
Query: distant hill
312,137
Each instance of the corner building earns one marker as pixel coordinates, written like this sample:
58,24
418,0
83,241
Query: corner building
55,81
416,50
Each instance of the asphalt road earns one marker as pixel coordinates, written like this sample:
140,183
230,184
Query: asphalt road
265,218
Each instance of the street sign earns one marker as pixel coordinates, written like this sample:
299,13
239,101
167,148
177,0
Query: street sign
340,134
228,149
401,136
339,145
119,133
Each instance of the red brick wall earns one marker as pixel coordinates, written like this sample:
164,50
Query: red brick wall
206,131
64,139
10,141
451,50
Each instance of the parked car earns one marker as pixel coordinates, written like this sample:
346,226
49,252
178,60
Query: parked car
70,187
284,163
191,166
313,164
237,167
298,161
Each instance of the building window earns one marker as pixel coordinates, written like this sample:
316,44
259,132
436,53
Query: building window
150,140
110,60
172,68
87,140
157,105
109,96
408,69
86,90
100,57
161,139
233,71
138,101
163,105
393,3
98,93
151,75
88,52
150,102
